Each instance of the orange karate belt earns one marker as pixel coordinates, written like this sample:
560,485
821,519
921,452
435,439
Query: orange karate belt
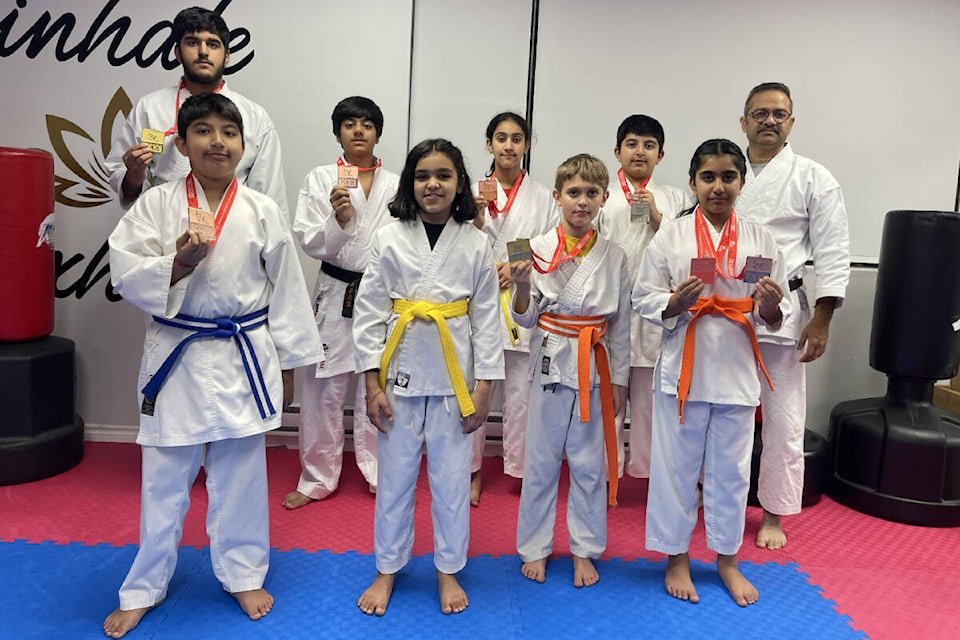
733,309
588,330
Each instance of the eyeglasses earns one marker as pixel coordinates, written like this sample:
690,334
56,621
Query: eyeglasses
779,115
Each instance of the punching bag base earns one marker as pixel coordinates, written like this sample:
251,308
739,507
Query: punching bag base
896,460
34,458
816,456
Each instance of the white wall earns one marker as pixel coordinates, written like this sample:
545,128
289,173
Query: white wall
875,86
874,83
307,56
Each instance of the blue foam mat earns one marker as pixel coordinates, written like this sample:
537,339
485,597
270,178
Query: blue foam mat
64,591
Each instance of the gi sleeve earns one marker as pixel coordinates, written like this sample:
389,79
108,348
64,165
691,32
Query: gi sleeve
371,310
652,290
139,270
266,174
830,241
485,320
114,162
290,318
315,224
618,329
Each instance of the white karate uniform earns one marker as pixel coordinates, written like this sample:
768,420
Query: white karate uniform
260,167
802,205
614,224
717,434
207,407
325,385
403,267
594,285
534,212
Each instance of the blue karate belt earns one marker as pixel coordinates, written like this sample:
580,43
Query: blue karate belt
235,328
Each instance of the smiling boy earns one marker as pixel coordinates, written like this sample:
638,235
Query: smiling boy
215,269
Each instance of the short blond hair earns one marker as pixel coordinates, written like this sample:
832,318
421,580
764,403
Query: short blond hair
586,166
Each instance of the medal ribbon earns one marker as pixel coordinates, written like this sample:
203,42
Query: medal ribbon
176,113
511,196
727,248
226,203
343,163
559,255
626,186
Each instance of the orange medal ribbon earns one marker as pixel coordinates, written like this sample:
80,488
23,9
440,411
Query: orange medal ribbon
559,255
626,186
176,113
511,196
588,330
727,248
226,203
343,163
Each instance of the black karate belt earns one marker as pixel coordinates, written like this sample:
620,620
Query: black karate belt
795,284
352,278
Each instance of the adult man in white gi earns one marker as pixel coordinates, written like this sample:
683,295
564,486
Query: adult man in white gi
801,203
203,50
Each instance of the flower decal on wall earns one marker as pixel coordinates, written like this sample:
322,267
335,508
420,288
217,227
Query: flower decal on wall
89,185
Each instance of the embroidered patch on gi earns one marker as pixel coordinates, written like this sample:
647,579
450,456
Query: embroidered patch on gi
545,367
403,379
147,407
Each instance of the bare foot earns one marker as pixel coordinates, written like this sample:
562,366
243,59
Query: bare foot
453,599
295,500
677,580
375,599
119,622
584,573
475,489
535,570
741,590
771,533
256,603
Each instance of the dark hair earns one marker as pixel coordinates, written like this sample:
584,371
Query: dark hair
404,205
640,125
495,122
357,107
710,149
767,86
203,104
197,19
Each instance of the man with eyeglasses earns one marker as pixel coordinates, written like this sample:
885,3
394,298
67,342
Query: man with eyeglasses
801,203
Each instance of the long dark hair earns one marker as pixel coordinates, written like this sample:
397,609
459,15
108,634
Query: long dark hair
404,205
495,122
710,149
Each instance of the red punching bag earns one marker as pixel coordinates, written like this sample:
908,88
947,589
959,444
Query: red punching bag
26,244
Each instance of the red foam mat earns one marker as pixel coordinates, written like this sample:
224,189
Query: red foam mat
894,580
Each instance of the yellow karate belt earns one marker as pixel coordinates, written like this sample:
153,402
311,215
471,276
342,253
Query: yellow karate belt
407,310
506,302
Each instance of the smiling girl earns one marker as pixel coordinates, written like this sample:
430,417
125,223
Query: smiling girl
427,332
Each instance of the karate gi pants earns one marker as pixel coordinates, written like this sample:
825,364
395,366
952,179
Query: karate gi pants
237,516
321,433
641,418
515,394
553,428
780,488
434,421
717,438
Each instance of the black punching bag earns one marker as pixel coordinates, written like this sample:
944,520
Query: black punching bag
898,457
